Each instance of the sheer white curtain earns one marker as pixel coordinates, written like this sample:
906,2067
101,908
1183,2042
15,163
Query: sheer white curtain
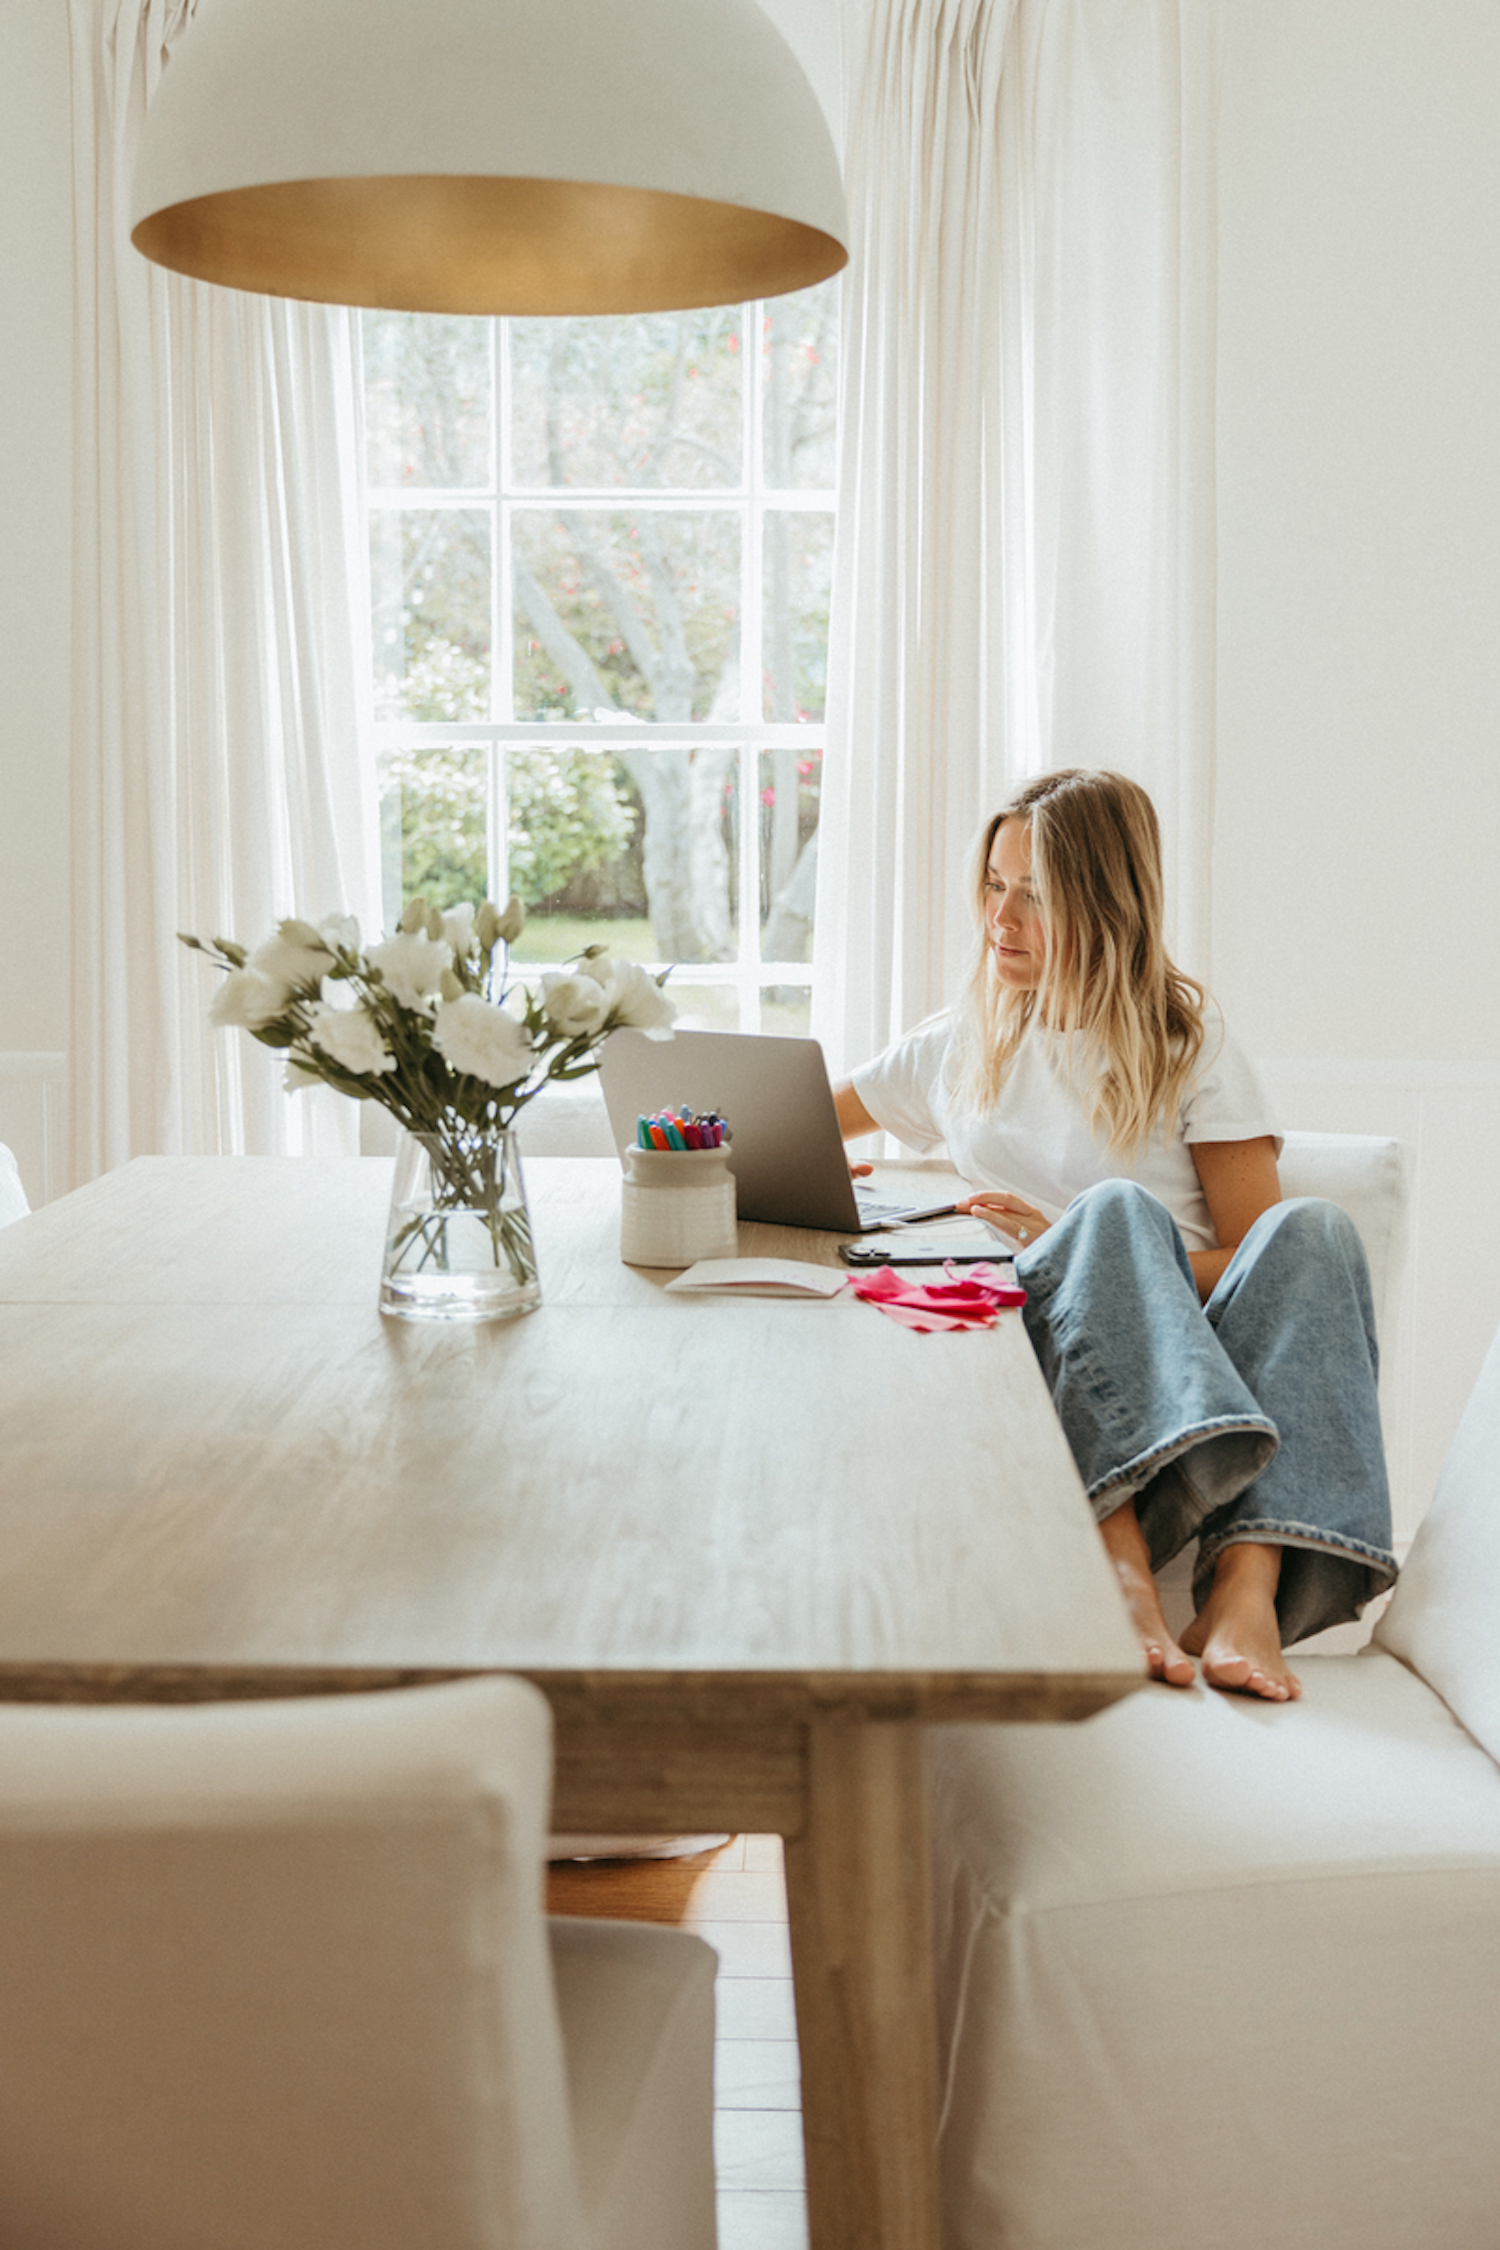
217,776
1024,574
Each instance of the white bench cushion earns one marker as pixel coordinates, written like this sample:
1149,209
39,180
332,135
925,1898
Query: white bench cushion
1444,1617
1216,1972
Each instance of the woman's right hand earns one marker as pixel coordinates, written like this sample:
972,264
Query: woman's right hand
1012,1214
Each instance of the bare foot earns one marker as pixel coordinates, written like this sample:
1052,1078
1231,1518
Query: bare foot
1236,1633
1125,1544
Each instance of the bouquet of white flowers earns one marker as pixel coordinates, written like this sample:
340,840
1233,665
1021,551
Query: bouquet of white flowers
431,1024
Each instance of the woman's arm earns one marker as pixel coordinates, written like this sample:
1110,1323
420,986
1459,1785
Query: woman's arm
854,1118
1239,1182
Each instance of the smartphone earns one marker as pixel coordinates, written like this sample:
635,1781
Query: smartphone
867,1253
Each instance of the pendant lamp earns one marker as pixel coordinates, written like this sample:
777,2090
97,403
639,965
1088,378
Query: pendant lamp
490,156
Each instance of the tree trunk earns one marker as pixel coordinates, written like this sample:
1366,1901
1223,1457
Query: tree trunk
685,861
789,926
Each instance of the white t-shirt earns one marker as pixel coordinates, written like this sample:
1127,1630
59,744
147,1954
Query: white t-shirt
1037,1142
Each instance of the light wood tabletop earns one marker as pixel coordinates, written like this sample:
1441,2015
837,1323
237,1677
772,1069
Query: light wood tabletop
742,1545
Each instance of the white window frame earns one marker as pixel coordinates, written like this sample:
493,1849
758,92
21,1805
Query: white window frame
752,499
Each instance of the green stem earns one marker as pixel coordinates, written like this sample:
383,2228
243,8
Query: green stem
469,1173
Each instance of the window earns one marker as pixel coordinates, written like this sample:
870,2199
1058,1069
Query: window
600,560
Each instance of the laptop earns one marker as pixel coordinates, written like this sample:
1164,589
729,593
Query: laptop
786,1152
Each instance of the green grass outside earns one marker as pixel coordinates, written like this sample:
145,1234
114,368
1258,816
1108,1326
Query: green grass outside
557,937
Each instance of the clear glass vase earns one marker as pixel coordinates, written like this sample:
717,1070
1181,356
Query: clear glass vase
458,1241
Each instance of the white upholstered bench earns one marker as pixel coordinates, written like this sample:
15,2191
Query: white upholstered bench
1216,1975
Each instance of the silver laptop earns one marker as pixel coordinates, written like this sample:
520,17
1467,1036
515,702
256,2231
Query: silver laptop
787,1155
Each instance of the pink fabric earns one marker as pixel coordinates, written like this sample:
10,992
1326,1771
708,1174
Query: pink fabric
976,1301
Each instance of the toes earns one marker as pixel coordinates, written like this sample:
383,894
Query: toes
1241,1677
1228,1671
1169,1664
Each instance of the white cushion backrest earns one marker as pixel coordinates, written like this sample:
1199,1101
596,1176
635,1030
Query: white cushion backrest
277,1973
1444,1617
1366,1176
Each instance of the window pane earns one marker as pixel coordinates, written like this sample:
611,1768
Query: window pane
667,894
799,389
786,1010
631,848
427,398
789,784
430,581
706,1007
637,613
432,825
575,854
652,399
799,574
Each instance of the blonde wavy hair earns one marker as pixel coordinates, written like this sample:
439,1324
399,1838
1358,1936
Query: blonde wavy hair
1096,871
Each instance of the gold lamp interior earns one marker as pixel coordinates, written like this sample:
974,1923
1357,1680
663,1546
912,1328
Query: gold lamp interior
465,244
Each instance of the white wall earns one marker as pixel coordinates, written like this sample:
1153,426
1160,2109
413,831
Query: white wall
1356,911
36,250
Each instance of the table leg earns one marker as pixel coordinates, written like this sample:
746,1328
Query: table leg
859,1903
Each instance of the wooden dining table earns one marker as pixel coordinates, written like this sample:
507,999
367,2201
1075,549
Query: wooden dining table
746,1547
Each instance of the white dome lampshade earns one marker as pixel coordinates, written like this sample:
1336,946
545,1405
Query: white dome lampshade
489,156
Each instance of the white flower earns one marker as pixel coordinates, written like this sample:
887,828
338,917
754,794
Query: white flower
482,1041
296,954
573,1005
297,1075
458,929
247,999
340,930
632,998
513,921
412,966
351,1037
491,926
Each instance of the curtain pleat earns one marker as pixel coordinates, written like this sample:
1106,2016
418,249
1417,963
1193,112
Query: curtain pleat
220,618
1024,565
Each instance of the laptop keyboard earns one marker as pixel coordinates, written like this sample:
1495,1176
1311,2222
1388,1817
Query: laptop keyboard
872,1207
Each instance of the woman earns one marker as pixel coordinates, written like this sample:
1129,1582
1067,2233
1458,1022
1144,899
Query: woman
1210,1349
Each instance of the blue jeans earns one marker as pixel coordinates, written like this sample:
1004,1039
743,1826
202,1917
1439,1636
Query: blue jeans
1253,1417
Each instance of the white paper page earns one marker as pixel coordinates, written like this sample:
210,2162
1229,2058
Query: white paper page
759,1277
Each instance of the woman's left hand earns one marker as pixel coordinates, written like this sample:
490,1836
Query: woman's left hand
1022,1221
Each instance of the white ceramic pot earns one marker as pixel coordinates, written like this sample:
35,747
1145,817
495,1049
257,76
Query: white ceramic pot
676,1206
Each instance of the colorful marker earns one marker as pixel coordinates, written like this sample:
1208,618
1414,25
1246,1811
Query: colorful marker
681,1129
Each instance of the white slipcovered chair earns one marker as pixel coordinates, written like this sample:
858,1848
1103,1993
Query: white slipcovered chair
1215,1974
276,1975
